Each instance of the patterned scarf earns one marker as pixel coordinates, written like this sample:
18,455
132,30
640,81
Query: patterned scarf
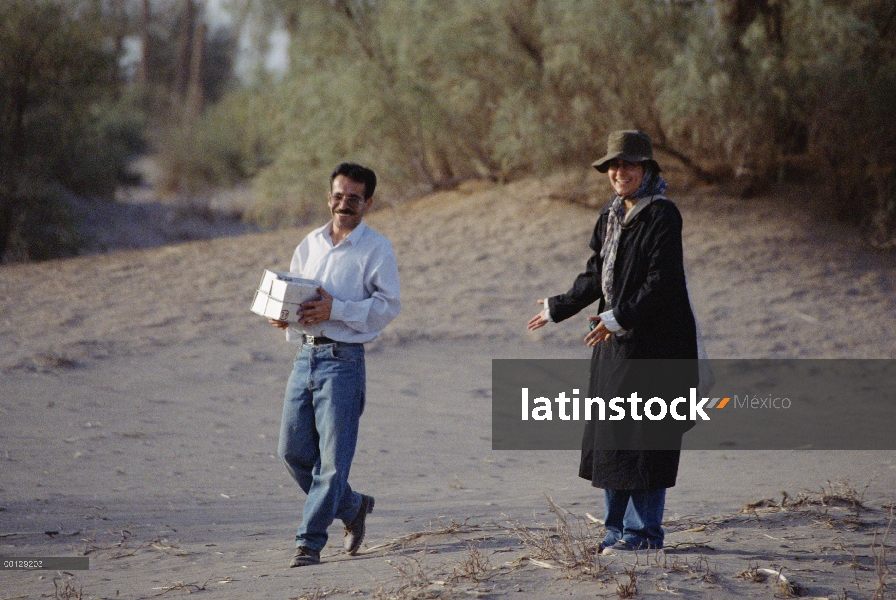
651,185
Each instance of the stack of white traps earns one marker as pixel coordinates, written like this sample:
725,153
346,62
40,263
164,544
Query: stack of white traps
281,295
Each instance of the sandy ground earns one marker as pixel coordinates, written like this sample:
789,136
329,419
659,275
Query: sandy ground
140,404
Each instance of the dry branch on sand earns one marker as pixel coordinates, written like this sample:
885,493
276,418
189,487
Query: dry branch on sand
571,545
453,528
568,548
64,589
414,579
180,586
879,552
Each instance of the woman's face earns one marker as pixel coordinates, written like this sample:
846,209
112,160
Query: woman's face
625,177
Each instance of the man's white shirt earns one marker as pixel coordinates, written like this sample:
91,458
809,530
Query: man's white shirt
361,274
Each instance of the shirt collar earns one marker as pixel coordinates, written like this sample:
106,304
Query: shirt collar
351,238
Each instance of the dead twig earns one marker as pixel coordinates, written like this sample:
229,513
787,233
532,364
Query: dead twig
628,589
67,591
454,528
181,586
475,568
879,552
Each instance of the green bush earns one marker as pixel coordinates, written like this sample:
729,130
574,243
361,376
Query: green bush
220,148
46,227
434,92
89,152
61,129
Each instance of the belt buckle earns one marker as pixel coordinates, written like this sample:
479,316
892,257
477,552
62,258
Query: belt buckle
309,339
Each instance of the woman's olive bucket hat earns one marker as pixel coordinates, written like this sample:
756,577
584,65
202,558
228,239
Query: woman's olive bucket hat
632,146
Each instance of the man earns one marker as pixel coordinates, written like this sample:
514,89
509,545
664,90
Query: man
359,295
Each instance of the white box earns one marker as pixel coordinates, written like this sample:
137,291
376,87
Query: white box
280,295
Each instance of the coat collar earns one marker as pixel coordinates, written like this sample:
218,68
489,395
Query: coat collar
640,205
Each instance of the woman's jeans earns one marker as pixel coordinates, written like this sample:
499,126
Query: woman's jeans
635,517
322,406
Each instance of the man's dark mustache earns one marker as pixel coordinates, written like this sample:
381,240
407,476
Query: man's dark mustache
345,212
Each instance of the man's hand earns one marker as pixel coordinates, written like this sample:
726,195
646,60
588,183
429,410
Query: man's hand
317,311
599,334
278,324
539,320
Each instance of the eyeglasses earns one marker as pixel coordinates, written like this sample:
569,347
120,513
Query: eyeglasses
352,200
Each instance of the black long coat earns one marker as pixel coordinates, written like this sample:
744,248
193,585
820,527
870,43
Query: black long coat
654,310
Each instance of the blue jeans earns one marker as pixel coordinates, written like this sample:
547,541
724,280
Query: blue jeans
635,517
321,408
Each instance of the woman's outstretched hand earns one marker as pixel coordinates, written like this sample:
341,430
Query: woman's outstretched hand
539,320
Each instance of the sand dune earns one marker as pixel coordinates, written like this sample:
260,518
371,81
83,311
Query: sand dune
140,403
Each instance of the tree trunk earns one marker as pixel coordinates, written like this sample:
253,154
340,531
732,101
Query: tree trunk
196,93
10,202
182,74
119,32
143,69
9,213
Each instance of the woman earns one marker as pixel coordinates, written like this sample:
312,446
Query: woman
637,275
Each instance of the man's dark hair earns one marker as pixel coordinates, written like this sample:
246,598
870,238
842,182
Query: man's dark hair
356,173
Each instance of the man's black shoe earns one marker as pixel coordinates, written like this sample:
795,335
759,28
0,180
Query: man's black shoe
354,531
305,556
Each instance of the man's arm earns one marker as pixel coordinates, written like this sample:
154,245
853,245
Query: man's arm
299,256
370,314
384,303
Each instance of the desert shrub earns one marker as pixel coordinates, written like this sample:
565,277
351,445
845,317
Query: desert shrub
353,93
46,226
432,93
737,102
89,151
820,85
221,147
851,121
